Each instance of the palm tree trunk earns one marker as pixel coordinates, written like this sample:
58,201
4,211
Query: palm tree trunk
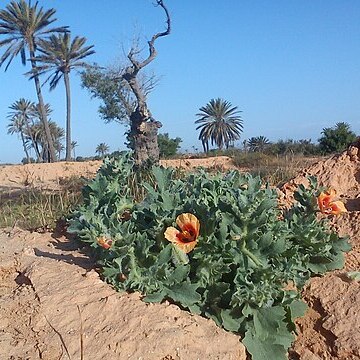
52,153
24,145
33,141
203,144
68,114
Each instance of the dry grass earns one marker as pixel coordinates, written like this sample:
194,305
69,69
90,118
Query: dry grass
276,170
37,209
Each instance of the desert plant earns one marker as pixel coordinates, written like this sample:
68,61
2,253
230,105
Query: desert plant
220,123
25,160
217,245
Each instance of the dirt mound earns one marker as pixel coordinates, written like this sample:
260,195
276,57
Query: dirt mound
50,296
45,176
330,329
49,176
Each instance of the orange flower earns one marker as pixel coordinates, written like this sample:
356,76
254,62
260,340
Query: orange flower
186,239
104,242
328,206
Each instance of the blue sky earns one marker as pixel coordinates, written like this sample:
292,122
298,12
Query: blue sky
291,66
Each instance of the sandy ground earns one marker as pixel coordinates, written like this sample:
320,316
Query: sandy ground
47,176
50,294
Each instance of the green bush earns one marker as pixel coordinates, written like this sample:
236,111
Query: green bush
246,253
336,139
168,146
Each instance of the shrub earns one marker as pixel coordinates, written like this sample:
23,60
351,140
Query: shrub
336,139
218,246
168,146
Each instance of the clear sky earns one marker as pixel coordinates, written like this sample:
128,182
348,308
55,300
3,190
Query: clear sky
291,66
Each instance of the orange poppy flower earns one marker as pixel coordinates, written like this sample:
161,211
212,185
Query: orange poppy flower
104,242
186,238
328,206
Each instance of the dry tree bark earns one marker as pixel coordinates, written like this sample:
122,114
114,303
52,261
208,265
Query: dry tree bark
143,127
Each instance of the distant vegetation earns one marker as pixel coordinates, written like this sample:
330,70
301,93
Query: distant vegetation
168,147
336,139
220,124
27,30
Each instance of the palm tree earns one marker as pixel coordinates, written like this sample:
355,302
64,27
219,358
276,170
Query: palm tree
220,123
23,25
59,148
57,136
37,131
17,126
102,149
74,144
24,110
60,55
258,143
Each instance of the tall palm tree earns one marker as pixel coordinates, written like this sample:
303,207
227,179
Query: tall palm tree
220,123
102,149
24,110
59,55
22,25
258,143
17,126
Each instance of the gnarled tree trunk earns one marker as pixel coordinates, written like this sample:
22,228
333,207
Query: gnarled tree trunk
144,138
143,127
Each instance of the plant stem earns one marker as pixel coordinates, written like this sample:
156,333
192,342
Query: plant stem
249,254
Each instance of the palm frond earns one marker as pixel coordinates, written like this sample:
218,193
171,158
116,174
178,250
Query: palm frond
220,123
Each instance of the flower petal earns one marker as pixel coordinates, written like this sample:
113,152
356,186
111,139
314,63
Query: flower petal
104,242
320,201
186,247
337,207
187,218
171,234
324,200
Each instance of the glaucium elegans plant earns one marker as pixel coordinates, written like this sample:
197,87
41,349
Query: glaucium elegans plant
216,245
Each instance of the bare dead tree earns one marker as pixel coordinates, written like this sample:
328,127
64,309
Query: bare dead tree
143,127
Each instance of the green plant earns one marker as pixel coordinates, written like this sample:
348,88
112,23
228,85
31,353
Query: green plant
220,123
336,139
258,143
168,146
229,256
